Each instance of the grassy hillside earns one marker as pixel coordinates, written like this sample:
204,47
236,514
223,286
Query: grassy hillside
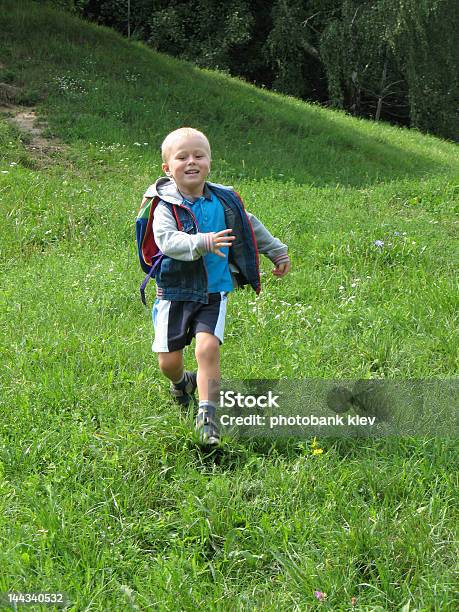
103,491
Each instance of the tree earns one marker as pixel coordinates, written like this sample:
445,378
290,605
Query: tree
290,49
424,39
203,31
386,59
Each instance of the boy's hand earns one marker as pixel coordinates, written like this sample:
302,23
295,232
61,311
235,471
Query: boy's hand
282,269
221,239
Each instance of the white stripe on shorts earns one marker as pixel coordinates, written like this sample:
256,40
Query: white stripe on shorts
220,326
161,321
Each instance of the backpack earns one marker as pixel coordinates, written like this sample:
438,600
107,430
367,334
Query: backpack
150,256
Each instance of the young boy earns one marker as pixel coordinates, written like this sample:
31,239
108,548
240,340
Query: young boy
210,246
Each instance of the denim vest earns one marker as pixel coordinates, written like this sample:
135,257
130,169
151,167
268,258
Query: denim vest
187,280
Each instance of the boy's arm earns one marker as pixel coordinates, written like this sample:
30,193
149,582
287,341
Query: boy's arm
180,245
174,243
268,245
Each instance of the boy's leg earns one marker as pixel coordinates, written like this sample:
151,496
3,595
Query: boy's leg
170,320
208,329
171,365
208,357
183,383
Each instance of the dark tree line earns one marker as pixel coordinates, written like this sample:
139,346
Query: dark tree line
395,60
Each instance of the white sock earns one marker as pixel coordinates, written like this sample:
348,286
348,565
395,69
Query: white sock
203,404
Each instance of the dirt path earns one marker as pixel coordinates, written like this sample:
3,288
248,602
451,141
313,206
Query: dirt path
25,119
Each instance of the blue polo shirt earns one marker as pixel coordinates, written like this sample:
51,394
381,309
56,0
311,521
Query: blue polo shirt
210,216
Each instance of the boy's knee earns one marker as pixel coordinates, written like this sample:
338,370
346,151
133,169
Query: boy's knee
208,348
168,361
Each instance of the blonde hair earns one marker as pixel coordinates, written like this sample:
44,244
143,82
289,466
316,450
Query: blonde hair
176,135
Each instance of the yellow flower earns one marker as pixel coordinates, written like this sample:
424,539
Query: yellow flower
317,451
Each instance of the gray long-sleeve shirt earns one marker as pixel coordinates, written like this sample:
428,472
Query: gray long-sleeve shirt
189,247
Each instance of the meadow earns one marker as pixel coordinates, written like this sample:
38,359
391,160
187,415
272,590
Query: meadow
104,493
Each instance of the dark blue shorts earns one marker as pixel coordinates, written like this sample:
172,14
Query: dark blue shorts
176,323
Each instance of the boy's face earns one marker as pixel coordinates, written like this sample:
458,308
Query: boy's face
188,162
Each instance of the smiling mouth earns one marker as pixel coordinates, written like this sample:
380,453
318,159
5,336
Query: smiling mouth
192,172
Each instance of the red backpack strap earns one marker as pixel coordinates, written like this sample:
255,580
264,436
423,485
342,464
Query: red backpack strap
177,219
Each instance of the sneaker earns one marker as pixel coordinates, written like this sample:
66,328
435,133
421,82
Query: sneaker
183,395
206,426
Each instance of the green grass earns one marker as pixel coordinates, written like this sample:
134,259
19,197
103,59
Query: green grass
103,492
